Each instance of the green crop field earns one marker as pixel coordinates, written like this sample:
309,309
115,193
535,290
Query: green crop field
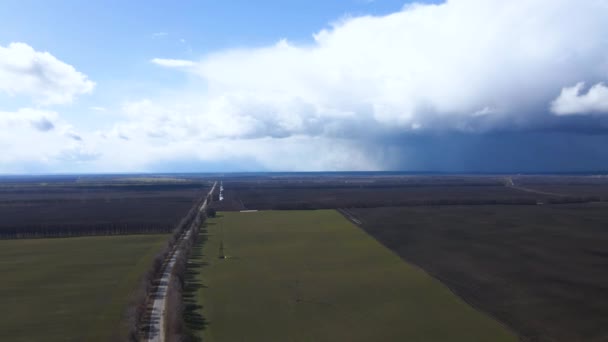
314,276
74,289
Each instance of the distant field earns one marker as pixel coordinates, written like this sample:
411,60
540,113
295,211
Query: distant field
372,191
541,269
78,208
74,289
272,194
313,276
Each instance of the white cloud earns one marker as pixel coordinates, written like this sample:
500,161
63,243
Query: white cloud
464,65
142,152
572,101
173,63
35,137
39,75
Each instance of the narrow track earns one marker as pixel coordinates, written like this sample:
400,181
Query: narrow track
156,330
350,216
511,184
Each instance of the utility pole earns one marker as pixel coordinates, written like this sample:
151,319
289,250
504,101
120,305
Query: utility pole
222,256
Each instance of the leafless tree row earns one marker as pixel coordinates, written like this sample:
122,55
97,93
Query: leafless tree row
134,216
175,308
58,231
137,312
312,205
176,331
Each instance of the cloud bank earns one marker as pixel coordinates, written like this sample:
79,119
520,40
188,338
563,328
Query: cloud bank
465,65
463,85
40,76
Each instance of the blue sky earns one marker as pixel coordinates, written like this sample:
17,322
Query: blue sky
112,41
468,85
109,40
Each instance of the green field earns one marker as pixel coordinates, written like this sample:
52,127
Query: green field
314,276
74,289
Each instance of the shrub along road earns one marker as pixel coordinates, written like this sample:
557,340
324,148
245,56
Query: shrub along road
156,331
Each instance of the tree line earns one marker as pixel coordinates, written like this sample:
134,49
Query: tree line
313,205
137,318
16,227
176,324
72,230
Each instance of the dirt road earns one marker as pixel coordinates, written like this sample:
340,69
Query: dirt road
156,331
511,184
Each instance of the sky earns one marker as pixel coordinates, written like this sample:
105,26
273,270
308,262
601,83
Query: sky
351,85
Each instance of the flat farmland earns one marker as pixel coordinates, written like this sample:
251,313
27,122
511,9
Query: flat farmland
73,289
540,269
590,186
371,190
80,208
270,195
314,276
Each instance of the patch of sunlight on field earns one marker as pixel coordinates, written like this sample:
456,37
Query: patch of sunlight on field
314,276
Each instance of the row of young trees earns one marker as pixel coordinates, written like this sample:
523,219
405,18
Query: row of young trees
312,205
63,230
90,223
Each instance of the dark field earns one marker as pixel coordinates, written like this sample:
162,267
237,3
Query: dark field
47,207
592,186
367,191
539,269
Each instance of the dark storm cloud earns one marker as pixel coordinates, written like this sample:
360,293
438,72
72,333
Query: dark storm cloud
524,151
43,124
74,136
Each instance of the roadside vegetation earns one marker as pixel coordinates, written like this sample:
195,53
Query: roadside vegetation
138,312
314,276
176,324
